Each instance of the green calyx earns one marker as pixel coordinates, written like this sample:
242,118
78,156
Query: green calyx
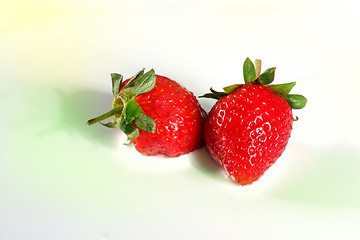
252,74
126,112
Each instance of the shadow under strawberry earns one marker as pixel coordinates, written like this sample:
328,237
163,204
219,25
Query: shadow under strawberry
323,177
202,161
76,106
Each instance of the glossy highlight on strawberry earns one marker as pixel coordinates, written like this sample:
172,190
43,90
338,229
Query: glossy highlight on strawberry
159,116
248,128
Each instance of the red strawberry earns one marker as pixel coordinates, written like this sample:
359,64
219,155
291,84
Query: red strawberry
158,115
249,127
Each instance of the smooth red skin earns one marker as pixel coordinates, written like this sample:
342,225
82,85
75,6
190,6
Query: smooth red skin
247,131
178,116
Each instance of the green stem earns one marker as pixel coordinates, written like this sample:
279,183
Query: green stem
257,67
112,112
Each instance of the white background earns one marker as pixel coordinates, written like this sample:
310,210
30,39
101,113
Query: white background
60,179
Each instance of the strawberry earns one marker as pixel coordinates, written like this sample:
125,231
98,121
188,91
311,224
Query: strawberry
159,116
248,128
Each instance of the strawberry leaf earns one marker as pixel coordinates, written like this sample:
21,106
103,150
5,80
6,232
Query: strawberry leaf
268,76
132,110
214,94
116,82
131,83
296,101
231,88
125,127
249,71
145,123
111,124
141,84
129,129
281,89
145,83
134,133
